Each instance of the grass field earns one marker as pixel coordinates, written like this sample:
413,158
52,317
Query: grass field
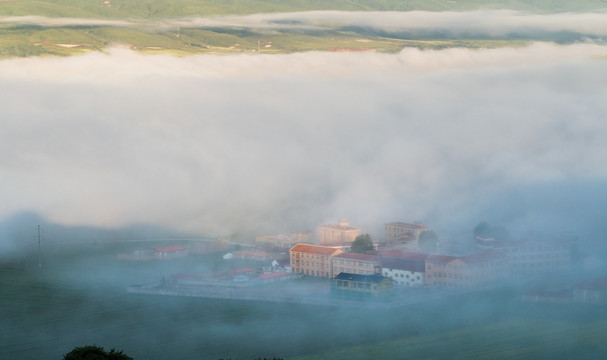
156,9
79,298
23,42
32,39
519,339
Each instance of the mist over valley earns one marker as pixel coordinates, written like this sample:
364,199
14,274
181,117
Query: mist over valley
144,170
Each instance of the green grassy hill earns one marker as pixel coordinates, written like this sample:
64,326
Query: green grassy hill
155,9
520,339
19,38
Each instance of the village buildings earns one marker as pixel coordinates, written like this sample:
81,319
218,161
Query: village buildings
340,233
156,253
361,285
404,268
532,257
285,240
354,263
466,271
403,232
313,260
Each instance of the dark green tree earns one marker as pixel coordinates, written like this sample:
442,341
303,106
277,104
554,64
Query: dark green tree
482,229
94,352
362,244
427,241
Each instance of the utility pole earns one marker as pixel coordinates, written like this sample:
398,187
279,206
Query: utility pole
39,259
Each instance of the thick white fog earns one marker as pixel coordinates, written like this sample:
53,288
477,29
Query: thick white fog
221,144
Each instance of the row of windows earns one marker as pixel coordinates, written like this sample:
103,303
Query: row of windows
307,263
310,256
317,273
360,263
418,277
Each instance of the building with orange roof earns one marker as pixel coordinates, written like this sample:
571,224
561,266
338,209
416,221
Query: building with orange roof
340,233
312,260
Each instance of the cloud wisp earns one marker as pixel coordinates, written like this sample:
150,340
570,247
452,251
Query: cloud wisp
222,144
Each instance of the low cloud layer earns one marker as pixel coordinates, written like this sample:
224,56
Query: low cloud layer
482,22
222,144
498,23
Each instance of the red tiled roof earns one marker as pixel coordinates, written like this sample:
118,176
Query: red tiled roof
403,264
401,254
439,259
357,256
314,249
242,270
169,248
273,275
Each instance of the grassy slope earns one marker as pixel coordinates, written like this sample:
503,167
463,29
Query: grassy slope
176,8
34,40
520,339
78,298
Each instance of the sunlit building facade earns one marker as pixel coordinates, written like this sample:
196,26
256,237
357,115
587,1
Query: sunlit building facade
341,233
312,260
354,263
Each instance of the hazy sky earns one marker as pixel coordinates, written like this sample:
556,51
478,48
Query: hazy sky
218,144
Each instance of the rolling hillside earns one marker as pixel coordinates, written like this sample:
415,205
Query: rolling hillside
68,27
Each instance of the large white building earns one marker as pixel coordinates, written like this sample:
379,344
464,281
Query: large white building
403,232
404,268
334,234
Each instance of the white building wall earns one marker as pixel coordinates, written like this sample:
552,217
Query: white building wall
404,277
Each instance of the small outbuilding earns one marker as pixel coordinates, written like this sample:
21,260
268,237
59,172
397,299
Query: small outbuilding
363,285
